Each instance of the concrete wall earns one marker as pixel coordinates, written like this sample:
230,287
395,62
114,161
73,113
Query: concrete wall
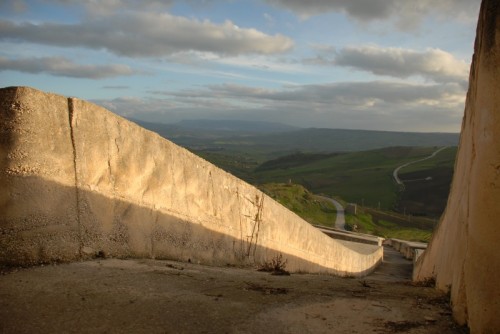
350,236
463,254
76,180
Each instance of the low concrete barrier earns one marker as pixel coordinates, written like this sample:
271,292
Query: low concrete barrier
77,180
409,249
350,236
418,253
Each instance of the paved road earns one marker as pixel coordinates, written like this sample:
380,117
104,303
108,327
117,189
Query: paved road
396,171
340,220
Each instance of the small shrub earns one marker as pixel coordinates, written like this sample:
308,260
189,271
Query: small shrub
276,266
429,282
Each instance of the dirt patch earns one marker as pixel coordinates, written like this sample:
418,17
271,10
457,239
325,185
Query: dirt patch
148,296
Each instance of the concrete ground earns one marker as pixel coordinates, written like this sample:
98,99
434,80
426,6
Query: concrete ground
151,296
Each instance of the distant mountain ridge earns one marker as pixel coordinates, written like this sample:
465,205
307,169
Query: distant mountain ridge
342,140
235,125
271,140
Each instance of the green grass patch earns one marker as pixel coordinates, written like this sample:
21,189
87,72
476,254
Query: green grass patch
298,199
427,184
390,225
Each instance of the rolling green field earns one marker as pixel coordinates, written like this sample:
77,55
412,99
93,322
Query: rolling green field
365,178
427,197
238,164
359,177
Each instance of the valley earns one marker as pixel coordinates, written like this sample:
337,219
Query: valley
298,166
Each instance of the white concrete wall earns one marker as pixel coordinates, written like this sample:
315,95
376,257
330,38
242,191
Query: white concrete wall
463,254
109,185
38,218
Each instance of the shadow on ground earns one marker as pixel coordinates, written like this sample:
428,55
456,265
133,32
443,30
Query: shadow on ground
152,296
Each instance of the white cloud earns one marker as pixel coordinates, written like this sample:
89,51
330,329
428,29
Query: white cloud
433,64
359,9
354,94
148,34
60,66
260,62
406,14
103,8
366,105
130,106
185,51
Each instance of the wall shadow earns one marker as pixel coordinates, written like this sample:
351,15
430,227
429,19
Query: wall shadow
48,226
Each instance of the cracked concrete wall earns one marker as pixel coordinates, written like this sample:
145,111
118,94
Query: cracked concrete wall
77,179
31,151
463,254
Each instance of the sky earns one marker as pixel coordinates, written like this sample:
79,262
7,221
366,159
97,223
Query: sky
395,65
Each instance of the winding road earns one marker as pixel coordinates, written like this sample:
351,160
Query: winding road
396,171
340,220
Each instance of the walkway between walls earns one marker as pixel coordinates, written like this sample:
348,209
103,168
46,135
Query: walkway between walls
394,267
153,296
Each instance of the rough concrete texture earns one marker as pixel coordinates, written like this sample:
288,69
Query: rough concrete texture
37,200
157,296
77,180
463,254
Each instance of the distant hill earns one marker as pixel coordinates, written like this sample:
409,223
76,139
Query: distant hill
235,126
342,140
209,135
264,141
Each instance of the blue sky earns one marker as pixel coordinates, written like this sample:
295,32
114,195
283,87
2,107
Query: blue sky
395,65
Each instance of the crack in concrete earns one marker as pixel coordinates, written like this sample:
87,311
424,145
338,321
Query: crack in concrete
71,110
